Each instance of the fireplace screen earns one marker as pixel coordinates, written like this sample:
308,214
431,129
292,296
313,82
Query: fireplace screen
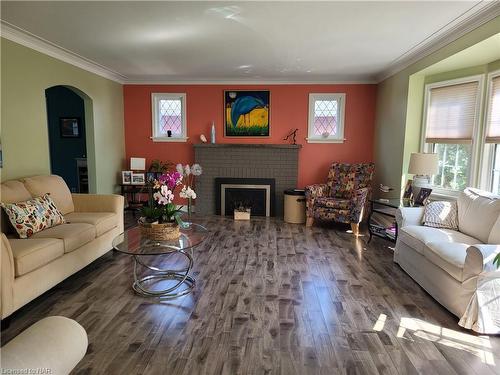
256,193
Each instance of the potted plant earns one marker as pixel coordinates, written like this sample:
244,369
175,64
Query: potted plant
242,211
188,173
160,219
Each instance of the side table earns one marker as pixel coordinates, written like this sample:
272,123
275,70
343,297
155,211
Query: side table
386,208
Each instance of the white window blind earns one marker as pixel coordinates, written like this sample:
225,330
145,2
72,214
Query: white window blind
493,127
451,113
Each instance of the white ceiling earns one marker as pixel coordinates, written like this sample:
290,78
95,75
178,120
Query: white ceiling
188,41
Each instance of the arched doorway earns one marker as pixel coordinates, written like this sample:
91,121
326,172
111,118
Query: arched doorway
69,114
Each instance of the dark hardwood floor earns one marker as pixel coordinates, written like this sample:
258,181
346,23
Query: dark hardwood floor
271,298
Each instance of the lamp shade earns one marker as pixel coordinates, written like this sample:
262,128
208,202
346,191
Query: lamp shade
423,164
138,164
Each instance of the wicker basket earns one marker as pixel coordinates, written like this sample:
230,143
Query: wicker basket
160,232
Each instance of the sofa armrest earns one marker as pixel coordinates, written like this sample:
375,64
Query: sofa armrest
98,203
479,259
409,216
313,192
6,279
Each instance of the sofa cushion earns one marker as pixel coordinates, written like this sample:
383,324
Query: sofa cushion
477,212
103,221
335,203
449,256
33,215
441,214
73,235
55,186
30,254
494,237
417,236
12,192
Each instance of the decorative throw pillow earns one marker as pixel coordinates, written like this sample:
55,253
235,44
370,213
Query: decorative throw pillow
441,214
33,216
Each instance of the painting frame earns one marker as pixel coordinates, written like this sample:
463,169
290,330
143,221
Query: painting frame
422,197
408,189
126,177
259,111
70,127
138,178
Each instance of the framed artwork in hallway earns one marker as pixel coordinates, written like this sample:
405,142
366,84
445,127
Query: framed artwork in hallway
246,113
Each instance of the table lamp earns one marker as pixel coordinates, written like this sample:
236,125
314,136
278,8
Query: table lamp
422,166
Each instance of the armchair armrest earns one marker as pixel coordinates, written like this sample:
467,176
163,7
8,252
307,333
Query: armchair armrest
479,259
6,279
409,216
313,192
358,204
98,203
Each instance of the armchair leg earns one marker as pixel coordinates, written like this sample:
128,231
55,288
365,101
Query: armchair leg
309,222
355,229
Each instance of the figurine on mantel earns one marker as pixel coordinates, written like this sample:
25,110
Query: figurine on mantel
292,137
212,134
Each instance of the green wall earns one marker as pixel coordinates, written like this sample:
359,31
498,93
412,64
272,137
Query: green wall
395,138
25,75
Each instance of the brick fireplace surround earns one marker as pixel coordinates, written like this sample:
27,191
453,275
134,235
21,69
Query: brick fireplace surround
244,161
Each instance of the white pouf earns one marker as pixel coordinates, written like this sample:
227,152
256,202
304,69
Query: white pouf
53,345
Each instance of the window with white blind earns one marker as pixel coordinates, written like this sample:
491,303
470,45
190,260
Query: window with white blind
491,161
169,117
450,122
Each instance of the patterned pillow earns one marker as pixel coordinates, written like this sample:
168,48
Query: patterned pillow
33,216
441,214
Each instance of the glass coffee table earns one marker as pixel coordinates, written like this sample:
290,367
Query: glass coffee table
144,251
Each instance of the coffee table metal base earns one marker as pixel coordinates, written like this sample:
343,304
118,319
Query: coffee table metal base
184,284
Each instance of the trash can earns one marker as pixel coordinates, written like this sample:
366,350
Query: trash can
295,206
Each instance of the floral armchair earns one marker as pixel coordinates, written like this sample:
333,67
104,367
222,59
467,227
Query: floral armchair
343,197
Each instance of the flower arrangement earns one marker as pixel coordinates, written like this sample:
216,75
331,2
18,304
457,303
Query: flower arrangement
189,173
161,208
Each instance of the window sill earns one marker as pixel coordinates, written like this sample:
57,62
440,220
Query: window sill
169,139
443,194
324,140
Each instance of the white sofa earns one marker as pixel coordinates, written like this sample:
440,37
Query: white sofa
456,267
30,267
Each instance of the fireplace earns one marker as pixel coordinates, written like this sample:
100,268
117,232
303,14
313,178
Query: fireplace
256,193
244,161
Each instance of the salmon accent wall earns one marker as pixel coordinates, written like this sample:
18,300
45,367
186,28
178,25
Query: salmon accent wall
288,110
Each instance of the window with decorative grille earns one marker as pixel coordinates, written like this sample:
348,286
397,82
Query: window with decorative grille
169,117
326,118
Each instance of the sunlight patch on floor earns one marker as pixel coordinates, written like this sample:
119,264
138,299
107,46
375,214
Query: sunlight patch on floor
479,346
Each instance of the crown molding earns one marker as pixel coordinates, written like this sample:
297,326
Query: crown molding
472,19
212,81
25,38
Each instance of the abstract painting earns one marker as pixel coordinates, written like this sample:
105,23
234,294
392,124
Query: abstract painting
246,113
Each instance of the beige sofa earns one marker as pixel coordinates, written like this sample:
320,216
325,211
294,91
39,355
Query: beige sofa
30,267
53,345
456,267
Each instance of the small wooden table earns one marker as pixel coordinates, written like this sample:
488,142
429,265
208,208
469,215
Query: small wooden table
132,195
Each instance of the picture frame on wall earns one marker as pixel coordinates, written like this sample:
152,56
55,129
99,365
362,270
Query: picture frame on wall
70,127
126,177
138,178
247,113
150,176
